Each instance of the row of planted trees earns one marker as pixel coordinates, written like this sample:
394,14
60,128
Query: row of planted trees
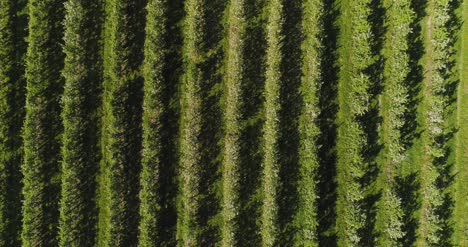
162,123
435,110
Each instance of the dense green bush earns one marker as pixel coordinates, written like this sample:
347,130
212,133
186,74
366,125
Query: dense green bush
234,79
306,216
121,141
188,227
434,106
80,152
11,118
269,229
155,52
393,105
158,191
353,100
42,127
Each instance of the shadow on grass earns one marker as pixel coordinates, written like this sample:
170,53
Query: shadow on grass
291,103
251,127
371,121
13,204
170,126
408,185
328,129
445,164
211,130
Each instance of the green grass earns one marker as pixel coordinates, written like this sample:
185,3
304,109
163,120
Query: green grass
461,201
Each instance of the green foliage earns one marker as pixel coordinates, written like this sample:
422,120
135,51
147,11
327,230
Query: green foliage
393,105
434,104
199,219
269,218
224,122
121,141
42,126
235,72
306,215
153,109
188,227
157,209
11,118
6,66
82,73
353,99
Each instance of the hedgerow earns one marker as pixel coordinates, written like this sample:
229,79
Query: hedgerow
233,122
11,118
353,100
80,152
42,126
236,35
306,215
121,135
394,100
269,217
157,161
188,227
435,101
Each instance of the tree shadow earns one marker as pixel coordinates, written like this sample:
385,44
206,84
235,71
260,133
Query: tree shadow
211,135
14,197
415,77
291,104
408,186
49,152
91,106
251,126
170,125
445,165
408,189
444,182
328,129
371,121
133,110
